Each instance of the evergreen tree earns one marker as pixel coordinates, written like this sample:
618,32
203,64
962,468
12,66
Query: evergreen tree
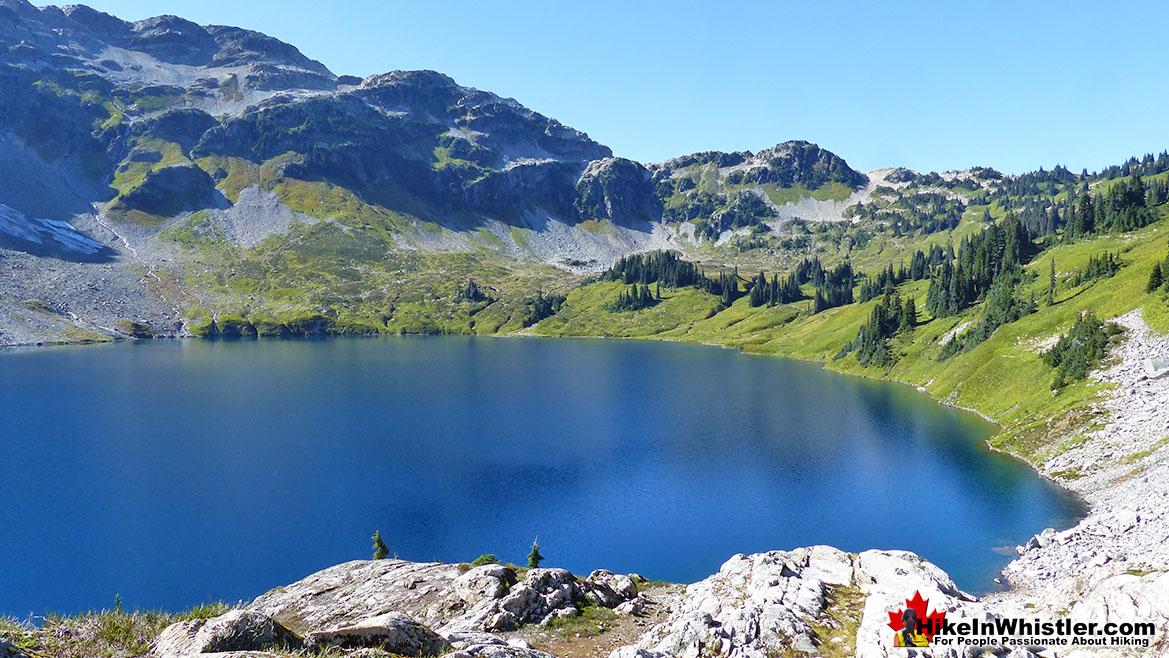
380,550
1051,285
871,345
758,295
789,291
534,558
633,299
729,284
1085,217
1079,350
1099,267
1156,278
471,292
908,315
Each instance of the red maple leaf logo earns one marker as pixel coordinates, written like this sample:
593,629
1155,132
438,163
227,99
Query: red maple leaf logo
931,623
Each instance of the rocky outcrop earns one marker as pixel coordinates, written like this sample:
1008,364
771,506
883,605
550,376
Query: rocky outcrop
760,605
237,630
756,606
183,126
486,645
902,175
172,40
405,608
617,189
798,163
787,164
542,596
441,596
348,593
545,183
168,191
392,631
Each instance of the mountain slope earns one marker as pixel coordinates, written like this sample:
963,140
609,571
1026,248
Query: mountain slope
193,153
208,179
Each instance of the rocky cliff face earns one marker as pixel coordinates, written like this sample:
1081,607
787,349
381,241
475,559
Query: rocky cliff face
106,102
90,91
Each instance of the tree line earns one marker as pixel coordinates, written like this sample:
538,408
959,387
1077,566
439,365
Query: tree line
889,317
998,249
636,298
777,291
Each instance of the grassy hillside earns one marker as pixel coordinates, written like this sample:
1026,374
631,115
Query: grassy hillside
1003,378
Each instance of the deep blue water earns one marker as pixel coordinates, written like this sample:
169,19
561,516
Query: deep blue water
173,473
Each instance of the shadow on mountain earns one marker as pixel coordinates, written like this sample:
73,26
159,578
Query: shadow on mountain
103,254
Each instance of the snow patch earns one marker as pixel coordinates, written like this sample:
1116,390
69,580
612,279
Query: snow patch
46,232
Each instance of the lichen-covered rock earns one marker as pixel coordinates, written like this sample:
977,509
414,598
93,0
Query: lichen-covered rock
502,650
348,593
464,639
490,581
237,630
607,589
546,595
440,596
771,603
392,631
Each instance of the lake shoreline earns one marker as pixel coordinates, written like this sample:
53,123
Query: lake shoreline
1071,589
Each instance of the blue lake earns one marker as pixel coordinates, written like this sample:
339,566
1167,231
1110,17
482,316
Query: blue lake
172,473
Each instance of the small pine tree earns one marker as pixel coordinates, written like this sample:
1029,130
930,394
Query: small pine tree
380,550
1051,285
908,315
534,558
1155,278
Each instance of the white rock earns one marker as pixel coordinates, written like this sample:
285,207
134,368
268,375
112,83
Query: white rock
236,630
391,631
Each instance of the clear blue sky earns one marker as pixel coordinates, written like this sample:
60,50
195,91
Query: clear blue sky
927,85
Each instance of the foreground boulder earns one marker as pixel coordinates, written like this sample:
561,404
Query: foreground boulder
392,631
498,651
237,630
786,602
808,601
443,597
609,590
348,593
541,597
486,645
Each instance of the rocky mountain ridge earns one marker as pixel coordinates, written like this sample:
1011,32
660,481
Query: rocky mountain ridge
171,151
128,113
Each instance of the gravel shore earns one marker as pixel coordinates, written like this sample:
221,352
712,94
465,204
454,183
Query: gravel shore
1114,564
